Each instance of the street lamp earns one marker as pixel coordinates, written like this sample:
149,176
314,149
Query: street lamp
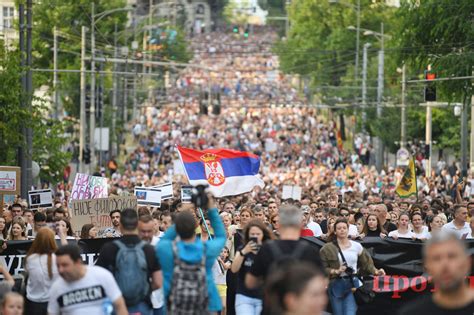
94,19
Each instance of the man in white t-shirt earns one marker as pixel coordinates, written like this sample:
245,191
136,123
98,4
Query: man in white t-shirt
458,226
83,289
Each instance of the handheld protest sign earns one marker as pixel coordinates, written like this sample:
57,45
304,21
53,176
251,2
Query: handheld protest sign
166,190
89,187
148,196
10,180
186,194
40,199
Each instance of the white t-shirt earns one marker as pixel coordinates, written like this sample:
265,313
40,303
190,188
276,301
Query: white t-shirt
353,232
396,233
157,296
217,274
39,283
84,296
424,234
450,227
351,255
315,228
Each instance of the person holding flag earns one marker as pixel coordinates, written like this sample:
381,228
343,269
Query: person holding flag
407,186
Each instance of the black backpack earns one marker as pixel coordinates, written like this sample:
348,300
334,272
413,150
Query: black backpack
281,260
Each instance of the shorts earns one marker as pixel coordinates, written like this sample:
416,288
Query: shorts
222,289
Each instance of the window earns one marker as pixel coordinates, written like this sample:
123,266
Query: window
8,13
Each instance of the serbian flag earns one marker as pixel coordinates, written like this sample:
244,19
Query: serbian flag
226,172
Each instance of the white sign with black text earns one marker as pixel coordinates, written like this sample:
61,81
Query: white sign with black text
40,198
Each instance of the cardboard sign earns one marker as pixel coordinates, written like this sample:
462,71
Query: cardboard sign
186,194
166,190
89,187
148,196
10,180
40,198
291,192
96,211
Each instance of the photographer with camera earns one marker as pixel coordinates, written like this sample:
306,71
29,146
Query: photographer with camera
343,261
187,263
249,301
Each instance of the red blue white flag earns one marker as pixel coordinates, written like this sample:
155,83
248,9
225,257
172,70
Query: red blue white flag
226,172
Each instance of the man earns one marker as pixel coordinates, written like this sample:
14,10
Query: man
190,251
272,208
381,211
448,262
17,210
310,224
82,289
137,295
345,214
59,214
39,221
259,214
113,231
166,220
458,226
364,211
229,207
146,231
289,244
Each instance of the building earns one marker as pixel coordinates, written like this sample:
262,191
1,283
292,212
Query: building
9,12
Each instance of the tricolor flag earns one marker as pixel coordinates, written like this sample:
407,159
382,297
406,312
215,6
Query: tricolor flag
407,186
227,172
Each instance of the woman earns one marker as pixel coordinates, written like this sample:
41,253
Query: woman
435,223
204,235
359,222
88,231
249,301
299,289
42,271
18,230
402,231
3,229
372,227
275,222
63,224
421,231
342,260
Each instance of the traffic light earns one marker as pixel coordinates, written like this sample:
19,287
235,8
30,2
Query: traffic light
247,31
236,29
87,156
430,89
99,104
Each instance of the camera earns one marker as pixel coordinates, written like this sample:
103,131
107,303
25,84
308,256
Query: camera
199,196
349,271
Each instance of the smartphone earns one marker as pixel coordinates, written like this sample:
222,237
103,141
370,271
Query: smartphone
253,239
186,194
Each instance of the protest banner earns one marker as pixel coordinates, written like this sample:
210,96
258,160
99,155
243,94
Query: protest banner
9,180
40,198
166,190
96,211
291,192
148,196
89,187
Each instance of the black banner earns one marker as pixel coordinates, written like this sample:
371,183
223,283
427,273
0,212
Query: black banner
401,260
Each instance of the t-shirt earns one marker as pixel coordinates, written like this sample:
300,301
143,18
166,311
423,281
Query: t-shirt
450,227
426,306
389,227
249,260
396,233
315,228
39,282
264,259
84,296
351,255
424,234
353,231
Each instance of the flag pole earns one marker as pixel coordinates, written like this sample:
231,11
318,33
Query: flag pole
205,223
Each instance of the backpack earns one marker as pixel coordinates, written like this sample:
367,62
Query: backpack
189,294
281,260
131,272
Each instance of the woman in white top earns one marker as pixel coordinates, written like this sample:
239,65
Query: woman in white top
435,223
403,230
64,225
42,272
421,231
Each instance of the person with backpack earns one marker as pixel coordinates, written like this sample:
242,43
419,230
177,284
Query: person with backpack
277,254
133,264
187,264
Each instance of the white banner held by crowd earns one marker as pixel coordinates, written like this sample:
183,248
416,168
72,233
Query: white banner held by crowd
148,196
40,198
89,187
166,190
291,192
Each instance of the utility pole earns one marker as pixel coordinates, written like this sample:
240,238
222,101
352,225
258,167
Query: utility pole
82,115
464,117
364,84
471,157
21,149
29,92
379,153
55,74
403,126
135,100
92,97
287,20
113,134
428,138
356,69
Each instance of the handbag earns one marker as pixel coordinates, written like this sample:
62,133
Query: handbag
364,293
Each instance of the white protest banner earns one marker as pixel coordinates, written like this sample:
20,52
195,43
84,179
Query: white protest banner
9,180
40,198
89,187
291,192
270,145
148,196
96,211
166,190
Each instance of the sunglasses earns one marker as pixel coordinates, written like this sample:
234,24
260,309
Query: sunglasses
345,214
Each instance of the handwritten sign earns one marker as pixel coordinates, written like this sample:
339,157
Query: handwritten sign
9,180
89,187
96,211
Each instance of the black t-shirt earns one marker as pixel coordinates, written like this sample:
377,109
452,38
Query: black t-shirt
373,233
426,306
109,251
324,226
246,266
264,259
389,227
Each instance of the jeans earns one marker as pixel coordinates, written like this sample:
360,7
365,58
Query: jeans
345,305
247,305
159,311
140,309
